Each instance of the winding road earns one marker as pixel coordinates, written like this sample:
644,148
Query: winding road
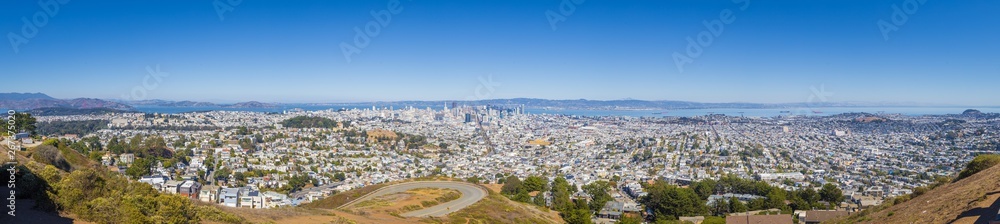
471,194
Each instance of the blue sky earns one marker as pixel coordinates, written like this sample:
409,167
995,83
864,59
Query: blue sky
945,52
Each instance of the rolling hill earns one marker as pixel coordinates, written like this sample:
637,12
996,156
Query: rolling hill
28,101
975,199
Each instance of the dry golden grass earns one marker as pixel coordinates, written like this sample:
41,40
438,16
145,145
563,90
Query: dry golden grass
342,198
496,208
493,187
970,200
269,215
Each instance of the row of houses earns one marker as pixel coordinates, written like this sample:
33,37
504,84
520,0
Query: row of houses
243,197
186,188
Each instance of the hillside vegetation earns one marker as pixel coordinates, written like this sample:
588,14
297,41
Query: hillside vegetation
71,127
342,198
311,122
978,164
973,199
94,194
496,208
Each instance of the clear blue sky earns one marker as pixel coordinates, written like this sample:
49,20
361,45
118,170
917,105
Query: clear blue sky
290,51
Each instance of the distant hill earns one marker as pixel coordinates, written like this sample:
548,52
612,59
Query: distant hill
971,112
975,199
79,103
628,104
24,96
64,111
251,104
186,104
28,101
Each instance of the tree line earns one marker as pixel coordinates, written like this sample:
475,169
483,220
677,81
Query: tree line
71,127
572,211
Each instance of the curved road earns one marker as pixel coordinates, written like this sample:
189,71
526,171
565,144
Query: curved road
470,194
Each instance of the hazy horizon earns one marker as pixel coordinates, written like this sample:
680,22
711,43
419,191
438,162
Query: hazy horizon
812,104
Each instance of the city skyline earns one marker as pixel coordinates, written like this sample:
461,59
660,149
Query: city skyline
765,52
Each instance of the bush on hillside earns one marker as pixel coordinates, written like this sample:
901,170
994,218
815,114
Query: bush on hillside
50,155
977,164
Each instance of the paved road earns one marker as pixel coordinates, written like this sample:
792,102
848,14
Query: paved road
470,195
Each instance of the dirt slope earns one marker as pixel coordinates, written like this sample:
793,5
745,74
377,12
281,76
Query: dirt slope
970,200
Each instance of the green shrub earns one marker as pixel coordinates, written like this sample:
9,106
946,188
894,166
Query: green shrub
977,164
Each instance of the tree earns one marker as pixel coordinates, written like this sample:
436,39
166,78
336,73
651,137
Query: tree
511,186
800,204
472,179
535,183
140,167
598,191
539,200
115,146
577,216
522,196
95,155
720,206
669,201
224,174
560,195
831,194
134,143
704,188
311,122
628,219
23,122
776,199
809,195
757,204
735,205
239,176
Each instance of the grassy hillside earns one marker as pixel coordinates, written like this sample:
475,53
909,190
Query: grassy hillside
82,190
342,198
973,199
496,208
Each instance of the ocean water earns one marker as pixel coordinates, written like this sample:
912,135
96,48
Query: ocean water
769,112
